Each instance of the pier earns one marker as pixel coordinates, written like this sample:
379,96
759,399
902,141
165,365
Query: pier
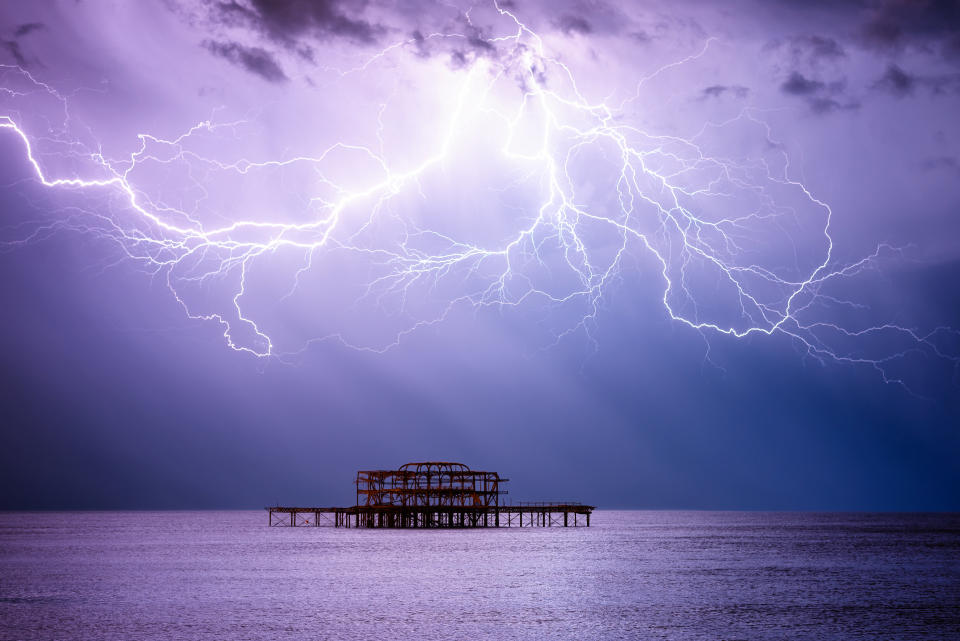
432,495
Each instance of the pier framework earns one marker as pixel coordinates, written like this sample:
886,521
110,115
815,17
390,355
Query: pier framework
432,495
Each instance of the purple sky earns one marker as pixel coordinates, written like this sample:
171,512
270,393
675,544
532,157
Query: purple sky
702,255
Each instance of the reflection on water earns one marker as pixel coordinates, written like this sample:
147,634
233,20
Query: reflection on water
633,575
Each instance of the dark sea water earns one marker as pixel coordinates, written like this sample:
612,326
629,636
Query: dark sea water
631,575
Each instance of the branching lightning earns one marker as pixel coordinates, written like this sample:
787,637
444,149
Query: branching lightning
605,192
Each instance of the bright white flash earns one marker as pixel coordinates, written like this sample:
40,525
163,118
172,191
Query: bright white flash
525,194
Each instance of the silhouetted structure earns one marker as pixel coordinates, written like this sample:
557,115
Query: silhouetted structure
432,495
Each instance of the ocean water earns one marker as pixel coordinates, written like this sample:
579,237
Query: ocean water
631,575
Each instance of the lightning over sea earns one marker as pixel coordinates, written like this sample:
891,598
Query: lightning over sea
691,264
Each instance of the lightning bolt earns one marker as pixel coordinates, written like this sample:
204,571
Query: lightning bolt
605,192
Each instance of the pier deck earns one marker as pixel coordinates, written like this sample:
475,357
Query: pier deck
434,516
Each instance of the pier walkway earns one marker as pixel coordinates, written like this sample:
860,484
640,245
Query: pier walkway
434,516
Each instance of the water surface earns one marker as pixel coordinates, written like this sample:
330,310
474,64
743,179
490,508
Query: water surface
631,575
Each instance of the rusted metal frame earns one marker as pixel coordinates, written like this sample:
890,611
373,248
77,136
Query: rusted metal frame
450,495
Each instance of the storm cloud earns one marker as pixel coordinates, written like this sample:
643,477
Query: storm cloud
287,21
254,59
894,25
898,82
821,97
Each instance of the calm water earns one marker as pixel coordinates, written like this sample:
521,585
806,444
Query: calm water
632,575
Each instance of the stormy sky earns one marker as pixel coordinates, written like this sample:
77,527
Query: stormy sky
649,255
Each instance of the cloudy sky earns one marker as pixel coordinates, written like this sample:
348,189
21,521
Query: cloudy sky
646,254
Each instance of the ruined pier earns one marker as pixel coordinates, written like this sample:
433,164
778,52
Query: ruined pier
432,495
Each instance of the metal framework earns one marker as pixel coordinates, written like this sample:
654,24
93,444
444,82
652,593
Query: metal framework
429,484
432,494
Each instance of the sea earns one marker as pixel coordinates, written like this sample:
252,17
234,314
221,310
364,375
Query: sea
630,575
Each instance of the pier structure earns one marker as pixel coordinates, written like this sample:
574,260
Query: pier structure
433,495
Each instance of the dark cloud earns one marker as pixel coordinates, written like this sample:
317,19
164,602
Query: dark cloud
13,48
821,97
927,24
571,24
285,21
716,91
475,46
28,28
420,45
898,82
254,59
596,17
473,43
476,40
799,85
